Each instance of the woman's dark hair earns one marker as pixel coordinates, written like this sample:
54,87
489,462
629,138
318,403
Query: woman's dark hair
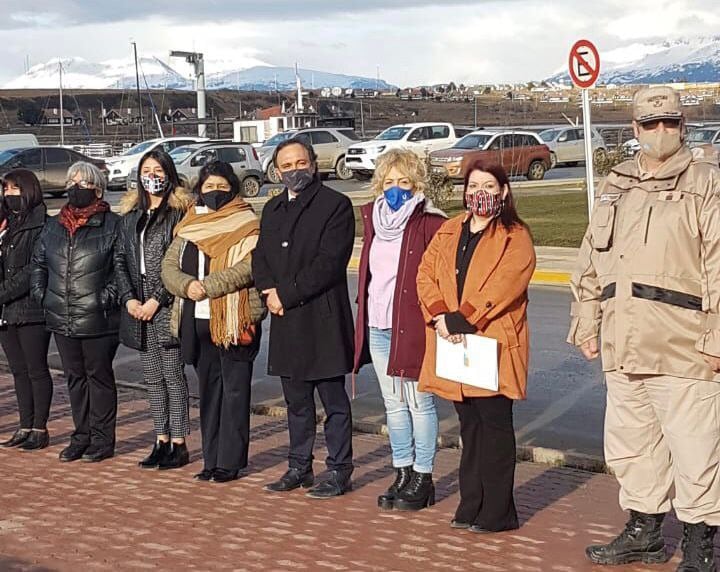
171,175
31,194
303,141
509,216
217,169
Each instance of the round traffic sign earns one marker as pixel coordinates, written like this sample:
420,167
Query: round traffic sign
584,64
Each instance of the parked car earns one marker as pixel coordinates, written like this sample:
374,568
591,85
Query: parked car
704,136
567,145
17,141
50,165
189,159
522,153
422,138
121,165
330,144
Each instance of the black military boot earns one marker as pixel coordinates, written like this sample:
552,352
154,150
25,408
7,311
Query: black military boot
697,547
403,476
641,540
418,494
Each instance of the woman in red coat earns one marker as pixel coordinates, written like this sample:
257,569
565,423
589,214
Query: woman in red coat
389,330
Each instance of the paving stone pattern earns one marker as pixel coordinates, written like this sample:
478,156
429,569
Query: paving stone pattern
113,516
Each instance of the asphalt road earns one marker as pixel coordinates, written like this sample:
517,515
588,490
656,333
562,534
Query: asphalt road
560,173
566,397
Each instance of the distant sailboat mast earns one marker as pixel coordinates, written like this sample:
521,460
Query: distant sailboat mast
62,115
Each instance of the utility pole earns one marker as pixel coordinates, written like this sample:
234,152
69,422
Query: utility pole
102,115
196,59
62,114
137,87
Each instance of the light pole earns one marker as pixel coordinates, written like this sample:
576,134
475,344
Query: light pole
198,62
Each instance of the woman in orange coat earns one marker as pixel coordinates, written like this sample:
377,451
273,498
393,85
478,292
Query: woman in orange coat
474,279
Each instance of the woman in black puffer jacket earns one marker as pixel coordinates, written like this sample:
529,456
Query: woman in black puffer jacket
144,235
22,333
73,277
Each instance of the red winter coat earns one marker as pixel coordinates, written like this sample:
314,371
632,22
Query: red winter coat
407,346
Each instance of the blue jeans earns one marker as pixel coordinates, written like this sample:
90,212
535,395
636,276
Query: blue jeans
411,414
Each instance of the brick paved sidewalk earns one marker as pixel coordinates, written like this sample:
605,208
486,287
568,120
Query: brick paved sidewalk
113,516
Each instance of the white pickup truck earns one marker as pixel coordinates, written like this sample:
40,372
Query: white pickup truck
422,138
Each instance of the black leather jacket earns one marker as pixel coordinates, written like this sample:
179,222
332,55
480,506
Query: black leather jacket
129,279
74,278
16,250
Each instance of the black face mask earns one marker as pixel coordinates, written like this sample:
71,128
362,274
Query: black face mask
298,180
13,203
81,198
216,200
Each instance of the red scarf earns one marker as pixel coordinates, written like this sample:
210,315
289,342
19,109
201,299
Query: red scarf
73,218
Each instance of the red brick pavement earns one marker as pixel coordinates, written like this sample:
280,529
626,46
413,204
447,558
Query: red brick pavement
113,516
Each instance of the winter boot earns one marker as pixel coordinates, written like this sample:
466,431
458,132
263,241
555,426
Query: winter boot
403,476
697,547
641,540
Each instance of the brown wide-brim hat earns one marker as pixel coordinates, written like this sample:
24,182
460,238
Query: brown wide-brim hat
658,102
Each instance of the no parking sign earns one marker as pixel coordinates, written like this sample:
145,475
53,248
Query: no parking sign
584,69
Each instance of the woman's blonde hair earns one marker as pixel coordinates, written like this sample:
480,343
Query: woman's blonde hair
407,162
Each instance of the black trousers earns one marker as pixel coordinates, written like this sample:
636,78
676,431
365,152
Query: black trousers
487,464
224,386
87,363
26,349
300,400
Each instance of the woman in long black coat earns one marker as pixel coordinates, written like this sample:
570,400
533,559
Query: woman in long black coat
300,264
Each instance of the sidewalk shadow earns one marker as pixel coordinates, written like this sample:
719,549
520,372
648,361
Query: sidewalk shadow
447,485
546,489
10,564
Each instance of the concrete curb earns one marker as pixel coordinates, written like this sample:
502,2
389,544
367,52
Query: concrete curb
533,454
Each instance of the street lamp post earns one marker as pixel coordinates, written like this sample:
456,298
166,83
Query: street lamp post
196,59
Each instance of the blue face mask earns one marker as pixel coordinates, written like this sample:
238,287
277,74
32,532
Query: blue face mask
396,197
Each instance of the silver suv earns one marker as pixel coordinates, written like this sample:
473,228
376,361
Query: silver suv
567,145
330,144
191,158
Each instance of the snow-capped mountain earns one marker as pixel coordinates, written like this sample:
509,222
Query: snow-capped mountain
263,78
79,73
689,59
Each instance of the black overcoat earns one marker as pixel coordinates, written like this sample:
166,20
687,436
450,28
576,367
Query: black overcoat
304,249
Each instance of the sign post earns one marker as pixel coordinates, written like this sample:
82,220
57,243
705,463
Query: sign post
584,68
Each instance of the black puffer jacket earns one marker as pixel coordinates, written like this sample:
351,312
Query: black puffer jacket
74,278
157,238
16,250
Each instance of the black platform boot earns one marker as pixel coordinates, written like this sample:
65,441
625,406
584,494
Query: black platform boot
418,494
386,501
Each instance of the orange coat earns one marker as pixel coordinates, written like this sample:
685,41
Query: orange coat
494,300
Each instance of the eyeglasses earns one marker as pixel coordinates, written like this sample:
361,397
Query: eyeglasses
81,184
669,123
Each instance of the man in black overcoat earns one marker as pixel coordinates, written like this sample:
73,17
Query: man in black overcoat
300,265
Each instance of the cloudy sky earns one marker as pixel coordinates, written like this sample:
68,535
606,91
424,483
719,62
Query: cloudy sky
413,41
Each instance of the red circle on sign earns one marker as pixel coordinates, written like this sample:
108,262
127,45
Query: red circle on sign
577,57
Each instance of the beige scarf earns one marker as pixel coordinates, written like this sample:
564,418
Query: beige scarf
227,237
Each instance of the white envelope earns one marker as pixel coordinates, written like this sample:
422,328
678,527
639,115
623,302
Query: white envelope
473,362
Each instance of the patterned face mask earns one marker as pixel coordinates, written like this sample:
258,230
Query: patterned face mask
485,204
152,184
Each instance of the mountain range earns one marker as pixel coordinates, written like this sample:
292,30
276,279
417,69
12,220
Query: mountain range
695,60
79,73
